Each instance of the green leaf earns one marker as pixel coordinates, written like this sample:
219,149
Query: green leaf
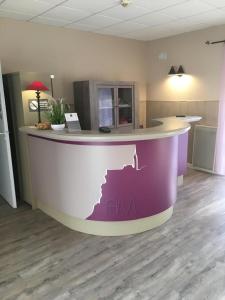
56,112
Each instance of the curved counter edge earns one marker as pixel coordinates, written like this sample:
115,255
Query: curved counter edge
168,128
102,228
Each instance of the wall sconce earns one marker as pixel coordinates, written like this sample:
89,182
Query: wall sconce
179,72
172,71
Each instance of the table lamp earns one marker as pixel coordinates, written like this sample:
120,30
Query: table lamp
38,86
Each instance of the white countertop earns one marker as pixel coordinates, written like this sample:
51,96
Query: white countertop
167,127
188,119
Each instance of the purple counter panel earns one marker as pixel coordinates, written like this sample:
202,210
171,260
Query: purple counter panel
65,177
142,190
182,153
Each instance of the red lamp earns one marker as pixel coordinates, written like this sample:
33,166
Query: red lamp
38,86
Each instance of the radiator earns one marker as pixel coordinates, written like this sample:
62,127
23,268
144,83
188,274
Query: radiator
204,148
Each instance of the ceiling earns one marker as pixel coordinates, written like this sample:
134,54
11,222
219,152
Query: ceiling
142,19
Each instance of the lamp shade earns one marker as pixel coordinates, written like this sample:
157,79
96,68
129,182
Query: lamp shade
180,71
37,86
172,71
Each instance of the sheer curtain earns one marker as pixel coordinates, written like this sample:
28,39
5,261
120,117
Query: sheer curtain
106,103
219,162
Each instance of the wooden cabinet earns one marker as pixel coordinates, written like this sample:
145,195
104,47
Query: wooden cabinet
110,104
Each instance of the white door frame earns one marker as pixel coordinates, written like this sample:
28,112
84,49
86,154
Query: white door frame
7,190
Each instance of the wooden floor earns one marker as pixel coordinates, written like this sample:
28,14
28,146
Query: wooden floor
183,259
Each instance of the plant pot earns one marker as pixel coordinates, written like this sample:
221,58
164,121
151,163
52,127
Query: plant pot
57,126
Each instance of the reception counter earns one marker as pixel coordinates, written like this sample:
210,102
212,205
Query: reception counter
119,183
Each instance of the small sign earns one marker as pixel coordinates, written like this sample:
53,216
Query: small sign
70,117
33,105
72,121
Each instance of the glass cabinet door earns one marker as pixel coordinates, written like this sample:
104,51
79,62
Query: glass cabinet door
106,106
125,106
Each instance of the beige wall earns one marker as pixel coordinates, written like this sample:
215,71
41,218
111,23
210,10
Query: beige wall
202,63
196,93
72,55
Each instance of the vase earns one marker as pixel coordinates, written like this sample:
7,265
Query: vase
57,126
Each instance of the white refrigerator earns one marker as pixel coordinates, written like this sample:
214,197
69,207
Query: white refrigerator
7,184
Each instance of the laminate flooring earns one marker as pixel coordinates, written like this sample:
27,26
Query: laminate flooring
182,259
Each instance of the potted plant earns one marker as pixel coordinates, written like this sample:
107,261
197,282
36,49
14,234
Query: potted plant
56,113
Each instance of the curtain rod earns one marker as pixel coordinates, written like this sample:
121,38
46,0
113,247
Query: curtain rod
212,43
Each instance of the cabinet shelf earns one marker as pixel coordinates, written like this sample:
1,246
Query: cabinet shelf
110,107
110,104
124,106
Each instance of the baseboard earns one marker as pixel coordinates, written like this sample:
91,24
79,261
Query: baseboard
204,170
117,228
190,166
